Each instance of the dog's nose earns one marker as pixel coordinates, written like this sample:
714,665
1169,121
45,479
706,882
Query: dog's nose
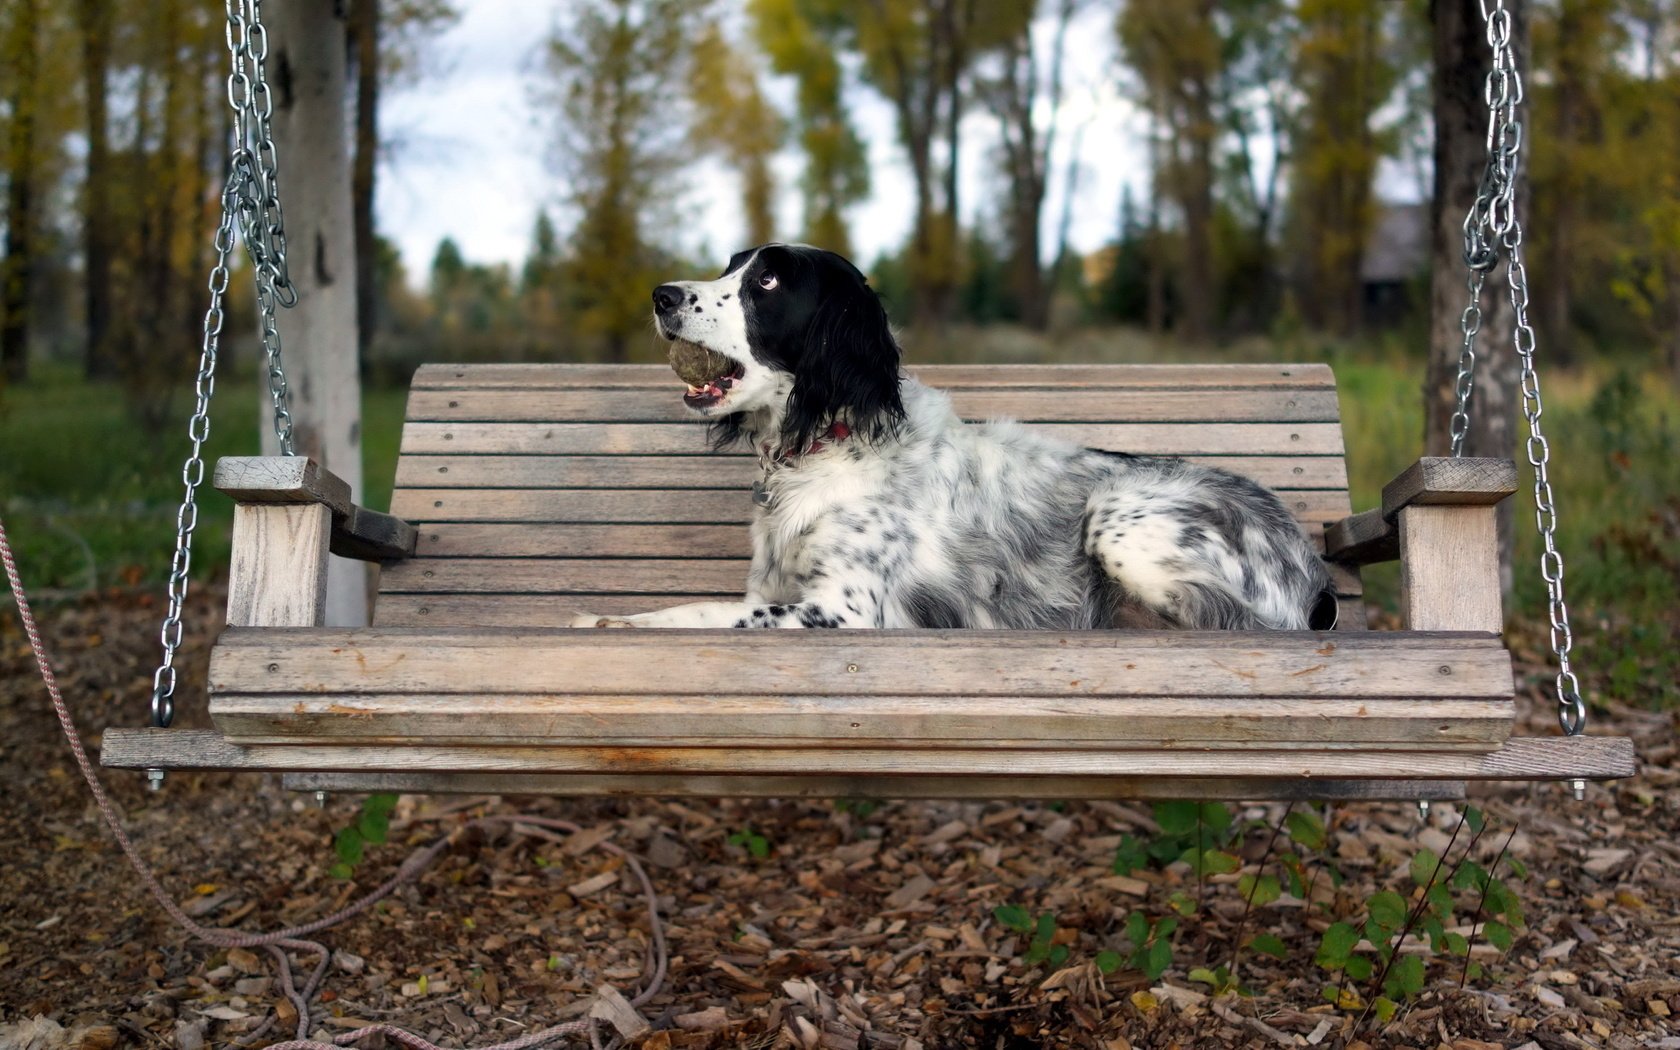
666,298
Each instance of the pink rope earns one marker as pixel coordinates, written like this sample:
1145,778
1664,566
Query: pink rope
294,937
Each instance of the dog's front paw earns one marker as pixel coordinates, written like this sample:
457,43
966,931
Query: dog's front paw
591,620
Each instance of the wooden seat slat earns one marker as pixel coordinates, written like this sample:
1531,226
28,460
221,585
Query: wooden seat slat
604,575
813,787
1168,723
1027,406
694,507
466,539
521,610
861,663
1211,376
1546,758
737,472
676,577
557,610
451,539
1168,439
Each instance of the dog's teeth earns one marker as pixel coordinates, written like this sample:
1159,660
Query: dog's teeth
695,391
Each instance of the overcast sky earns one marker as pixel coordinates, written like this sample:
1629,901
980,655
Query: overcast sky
469,151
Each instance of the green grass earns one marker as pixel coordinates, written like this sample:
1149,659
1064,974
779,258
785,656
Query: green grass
90,496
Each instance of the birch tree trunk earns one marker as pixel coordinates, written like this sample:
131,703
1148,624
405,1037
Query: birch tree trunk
308,77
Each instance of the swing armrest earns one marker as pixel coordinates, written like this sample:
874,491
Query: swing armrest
1373,536
356,532
1439,519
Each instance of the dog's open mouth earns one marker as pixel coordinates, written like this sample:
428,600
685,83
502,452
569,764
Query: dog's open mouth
709,374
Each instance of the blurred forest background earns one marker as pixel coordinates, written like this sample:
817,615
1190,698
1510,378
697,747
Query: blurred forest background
1260,230
1267,122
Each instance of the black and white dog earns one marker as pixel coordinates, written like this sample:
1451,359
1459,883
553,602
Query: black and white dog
879,507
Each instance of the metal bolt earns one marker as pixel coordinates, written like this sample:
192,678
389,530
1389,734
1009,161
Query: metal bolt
1579,789
1423,810
154,780
320,800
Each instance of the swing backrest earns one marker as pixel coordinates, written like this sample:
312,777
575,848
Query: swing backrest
544,490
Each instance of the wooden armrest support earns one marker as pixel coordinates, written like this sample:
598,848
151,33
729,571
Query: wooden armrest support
1438,519
1443,481
1433,481
366,535
1362,539
282,479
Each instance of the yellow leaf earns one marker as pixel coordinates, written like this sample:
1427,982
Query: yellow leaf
205,889
423,983
1349,1000
1145,1000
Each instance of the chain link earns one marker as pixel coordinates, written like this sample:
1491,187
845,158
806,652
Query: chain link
250,204
1469,324
1492,228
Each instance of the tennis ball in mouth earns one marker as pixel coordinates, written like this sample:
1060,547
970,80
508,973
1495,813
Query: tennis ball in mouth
697,366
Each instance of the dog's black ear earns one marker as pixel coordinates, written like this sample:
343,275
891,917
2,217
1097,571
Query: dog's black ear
725,433
848,370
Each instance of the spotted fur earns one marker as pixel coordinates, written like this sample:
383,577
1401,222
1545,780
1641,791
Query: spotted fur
880,507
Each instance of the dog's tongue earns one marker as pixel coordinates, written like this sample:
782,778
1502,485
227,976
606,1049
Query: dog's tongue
697,366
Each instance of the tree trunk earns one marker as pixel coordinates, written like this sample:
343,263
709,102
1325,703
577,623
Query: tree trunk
1156,309
203,205
1576,32
1461,64
364,31
17,268
161,278
1198,296
1064,227
1196,320
308,78
94,18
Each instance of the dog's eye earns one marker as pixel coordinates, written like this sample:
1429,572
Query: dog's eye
768,282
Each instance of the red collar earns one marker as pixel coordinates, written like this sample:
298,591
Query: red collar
836,432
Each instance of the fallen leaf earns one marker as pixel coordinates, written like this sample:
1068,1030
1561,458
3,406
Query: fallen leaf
708,1020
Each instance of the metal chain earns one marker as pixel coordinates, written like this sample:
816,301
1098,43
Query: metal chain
1494,203
1492,225
250,203
192,472
261,222
1469,323
1572,709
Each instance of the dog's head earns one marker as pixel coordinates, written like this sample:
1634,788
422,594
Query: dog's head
790,333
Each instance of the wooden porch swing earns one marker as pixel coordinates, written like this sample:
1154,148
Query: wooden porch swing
525,493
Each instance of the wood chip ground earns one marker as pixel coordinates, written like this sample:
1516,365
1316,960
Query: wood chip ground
856,931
